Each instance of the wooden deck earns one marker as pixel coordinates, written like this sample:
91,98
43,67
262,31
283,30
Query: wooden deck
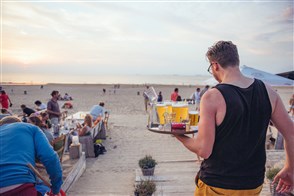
175,177
72,169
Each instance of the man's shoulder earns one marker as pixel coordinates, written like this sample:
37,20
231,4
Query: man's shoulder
212,94
50,101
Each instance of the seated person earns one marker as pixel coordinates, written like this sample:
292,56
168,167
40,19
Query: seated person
22,143
4,112
9,120
40,106
27,111
67,97
36,120
81,130
45,120
67,105
87,126
98,111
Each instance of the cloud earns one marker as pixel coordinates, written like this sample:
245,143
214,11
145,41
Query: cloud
145,37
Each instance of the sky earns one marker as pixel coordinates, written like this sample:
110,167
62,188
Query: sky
77,41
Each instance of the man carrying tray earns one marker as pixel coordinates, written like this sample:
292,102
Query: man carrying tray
232,130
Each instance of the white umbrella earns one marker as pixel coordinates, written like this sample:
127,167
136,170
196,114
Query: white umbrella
271,79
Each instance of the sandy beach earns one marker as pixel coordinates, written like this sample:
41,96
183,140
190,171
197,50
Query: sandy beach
128,139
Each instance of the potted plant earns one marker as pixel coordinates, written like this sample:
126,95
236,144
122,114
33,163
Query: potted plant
147,165
270,174
145,188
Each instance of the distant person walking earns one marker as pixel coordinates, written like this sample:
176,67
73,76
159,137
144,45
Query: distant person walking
174,95
146,99
232,130
196,98
53,108
5,100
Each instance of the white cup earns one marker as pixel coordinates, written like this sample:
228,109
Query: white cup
75,140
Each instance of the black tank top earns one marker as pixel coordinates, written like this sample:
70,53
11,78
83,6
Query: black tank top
238,156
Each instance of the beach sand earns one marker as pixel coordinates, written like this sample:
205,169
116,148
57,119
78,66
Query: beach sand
128,138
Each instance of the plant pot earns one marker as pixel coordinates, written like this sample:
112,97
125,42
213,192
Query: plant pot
137,194
148,172
145,188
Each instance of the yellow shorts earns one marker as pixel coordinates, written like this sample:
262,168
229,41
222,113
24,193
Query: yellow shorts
205,190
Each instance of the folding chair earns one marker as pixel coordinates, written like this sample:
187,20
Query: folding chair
58,145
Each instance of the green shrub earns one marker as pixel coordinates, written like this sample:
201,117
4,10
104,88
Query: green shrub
147,162
145,188
272,172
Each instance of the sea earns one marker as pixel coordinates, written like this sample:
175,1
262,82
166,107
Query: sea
117,79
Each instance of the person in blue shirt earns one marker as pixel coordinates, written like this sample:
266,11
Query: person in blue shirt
20,144
98,111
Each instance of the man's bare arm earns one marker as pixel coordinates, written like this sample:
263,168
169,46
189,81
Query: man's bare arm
202,145
285,126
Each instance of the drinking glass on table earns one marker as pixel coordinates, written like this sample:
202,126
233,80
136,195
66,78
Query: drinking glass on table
55,130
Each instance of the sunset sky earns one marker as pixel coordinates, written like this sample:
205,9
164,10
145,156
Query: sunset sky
48,41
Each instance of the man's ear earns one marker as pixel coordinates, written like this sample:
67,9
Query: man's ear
216,66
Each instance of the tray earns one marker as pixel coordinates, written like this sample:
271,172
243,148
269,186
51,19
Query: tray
174,131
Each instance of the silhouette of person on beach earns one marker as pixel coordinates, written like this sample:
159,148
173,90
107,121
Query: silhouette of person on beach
159,97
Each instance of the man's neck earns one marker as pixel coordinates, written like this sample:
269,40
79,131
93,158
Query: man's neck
235,77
